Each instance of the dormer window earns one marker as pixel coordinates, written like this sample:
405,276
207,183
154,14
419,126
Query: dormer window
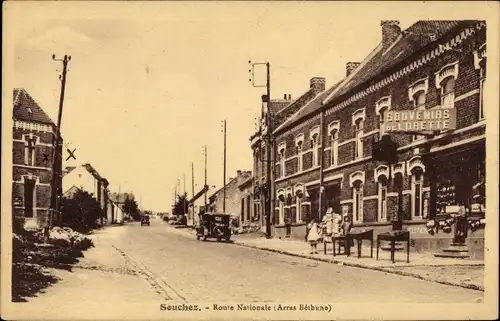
314,145
333,131
445,80
358,119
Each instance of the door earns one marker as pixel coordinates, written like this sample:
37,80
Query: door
29,198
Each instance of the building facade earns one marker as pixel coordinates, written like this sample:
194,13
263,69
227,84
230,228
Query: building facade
33,154
233,195
85,177
281,110
429,66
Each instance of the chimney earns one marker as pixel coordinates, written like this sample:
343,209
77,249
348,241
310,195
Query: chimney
289,97
390,32
238,172
317,84
350,66
284,96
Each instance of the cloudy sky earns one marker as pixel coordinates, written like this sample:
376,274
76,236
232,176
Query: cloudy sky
149,83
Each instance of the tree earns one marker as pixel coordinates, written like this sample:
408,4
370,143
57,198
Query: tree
80,212
181,205
131,208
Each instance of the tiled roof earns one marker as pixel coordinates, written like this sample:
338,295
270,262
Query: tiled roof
279,104
309,108
27,109
413,39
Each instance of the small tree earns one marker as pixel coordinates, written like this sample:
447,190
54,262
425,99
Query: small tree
81,212
181,205
131,208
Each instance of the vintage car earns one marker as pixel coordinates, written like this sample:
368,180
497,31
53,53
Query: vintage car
145,220
214,226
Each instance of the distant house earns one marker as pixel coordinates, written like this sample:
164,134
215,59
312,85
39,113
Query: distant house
33,156
233,195
86,178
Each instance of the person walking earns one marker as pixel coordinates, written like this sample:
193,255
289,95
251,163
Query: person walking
313,235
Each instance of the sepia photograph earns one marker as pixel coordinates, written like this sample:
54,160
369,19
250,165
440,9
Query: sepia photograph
249,160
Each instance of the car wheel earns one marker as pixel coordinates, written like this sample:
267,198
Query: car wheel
197,237
204,238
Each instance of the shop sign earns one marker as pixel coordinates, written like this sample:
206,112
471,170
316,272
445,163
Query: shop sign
420,120
18,201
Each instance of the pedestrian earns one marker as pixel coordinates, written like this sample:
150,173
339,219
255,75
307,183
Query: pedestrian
313,235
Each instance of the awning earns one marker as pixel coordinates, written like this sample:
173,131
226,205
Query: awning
198,195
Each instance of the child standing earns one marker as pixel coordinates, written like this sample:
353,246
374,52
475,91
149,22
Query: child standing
313,235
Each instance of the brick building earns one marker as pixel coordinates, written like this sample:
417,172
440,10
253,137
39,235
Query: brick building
281,110
432,64
33,152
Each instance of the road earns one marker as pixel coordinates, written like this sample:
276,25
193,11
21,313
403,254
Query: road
191,270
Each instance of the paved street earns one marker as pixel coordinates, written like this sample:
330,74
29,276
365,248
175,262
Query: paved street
193,270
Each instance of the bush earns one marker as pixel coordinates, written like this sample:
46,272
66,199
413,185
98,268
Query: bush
18,225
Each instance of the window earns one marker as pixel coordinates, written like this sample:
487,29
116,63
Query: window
314,146
29,150
298,211
382,196
299,144
383,105
481,90
242,210
358,203
299,155
418,104
333,130
417,194
281,157
448,93
335,147
359,139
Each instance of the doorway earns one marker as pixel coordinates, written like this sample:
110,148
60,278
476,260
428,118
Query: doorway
29,198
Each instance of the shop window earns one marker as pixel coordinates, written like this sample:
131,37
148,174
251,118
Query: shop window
357,204
448,93
417,193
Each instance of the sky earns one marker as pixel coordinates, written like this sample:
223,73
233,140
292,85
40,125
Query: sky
150,83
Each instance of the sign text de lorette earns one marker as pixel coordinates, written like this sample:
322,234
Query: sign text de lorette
420,120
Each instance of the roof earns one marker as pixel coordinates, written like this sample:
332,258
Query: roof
27,109
308,108
95,173
413,39
278,105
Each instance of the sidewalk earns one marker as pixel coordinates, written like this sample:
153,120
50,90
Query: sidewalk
101,282
457,272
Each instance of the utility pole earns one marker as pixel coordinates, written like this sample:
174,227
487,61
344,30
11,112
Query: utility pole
269,192
321,165
55,179
206,177
192,188
185,194
224,182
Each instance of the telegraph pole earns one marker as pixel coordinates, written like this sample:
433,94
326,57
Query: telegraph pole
192,188
206,177
55,180
224,183
269,193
